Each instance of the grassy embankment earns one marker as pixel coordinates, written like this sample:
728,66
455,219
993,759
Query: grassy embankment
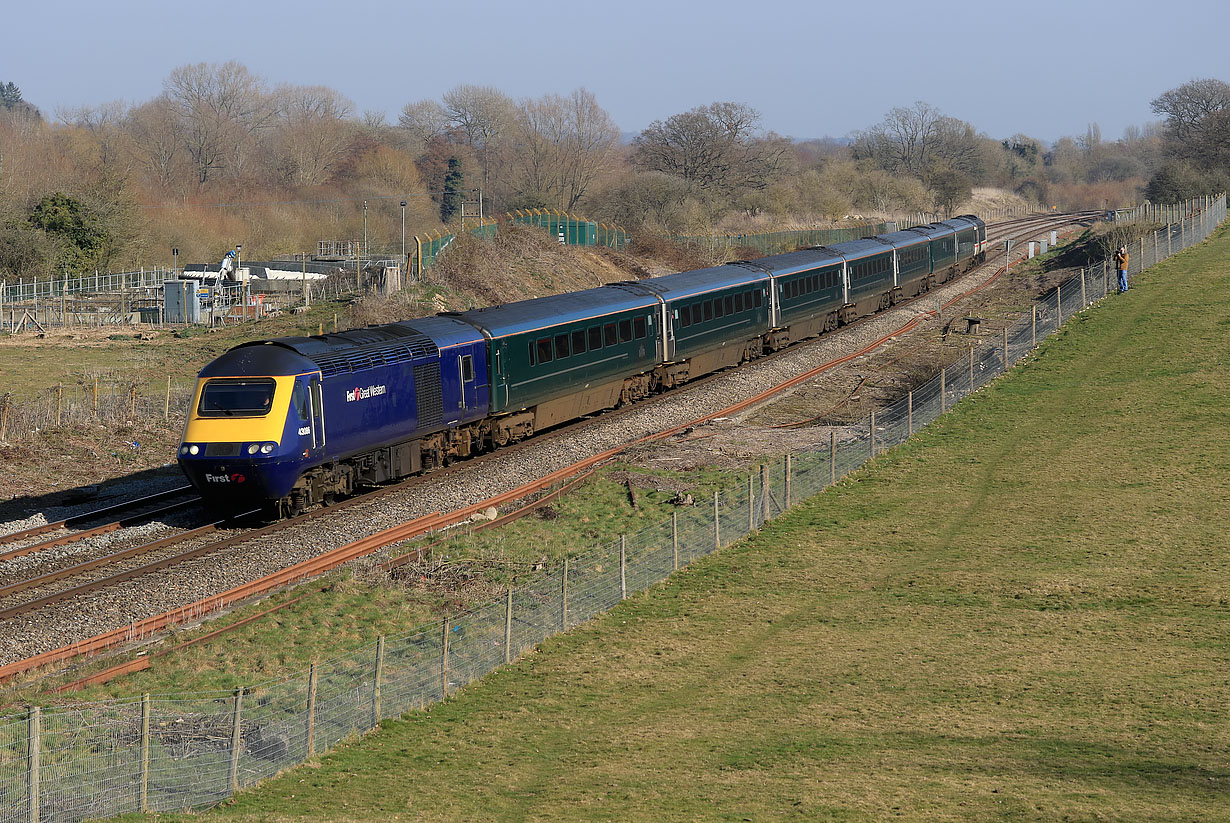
1021,614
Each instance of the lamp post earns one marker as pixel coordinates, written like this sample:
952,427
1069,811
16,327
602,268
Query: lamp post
175,263
365,228
403,232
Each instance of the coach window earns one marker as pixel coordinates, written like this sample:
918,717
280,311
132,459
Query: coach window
685,318
730,304
717,307
561,346
625,331
578,341
697,313
739,302
595,338
708,304
757,298
544,350
609,336
638,327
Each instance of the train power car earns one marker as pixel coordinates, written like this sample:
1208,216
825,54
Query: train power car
293,422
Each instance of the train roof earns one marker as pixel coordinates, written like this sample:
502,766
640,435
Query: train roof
858,249
337,353
905,237
793,262
541,312
962,222
445,330
687,284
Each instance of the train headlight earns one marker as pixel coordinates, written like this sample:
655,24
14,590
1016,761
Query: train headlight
254,448
183,449
193,449
266,448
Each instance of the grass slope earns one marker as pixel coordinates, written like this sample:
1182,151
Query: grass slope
1020,615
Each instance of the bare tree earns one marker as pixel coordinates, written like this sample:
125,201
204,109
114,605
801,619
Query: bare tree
423,121
156,145
1198,121
484,114
560,145
220,108
912,140
716,147
313,136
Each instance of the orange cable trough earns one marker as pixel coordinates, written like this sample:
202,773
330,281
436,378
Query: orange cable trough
414,528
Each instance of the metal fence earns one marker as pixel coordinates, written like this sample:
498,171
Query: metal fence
170,753
54,288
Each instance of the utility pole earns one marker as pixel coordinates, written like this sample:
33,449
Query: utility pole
365,254
403,233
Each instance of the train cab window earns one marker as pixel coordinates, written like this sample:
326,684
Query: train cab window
757,298
625,331
638,327
467,368
300,400
697,313
578,341
543,350
738,301
595,338
561,346
609,336
236,398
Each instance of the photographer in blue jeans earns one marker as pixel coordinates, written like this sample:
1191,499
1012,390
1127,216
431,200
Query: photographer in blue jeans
1121,264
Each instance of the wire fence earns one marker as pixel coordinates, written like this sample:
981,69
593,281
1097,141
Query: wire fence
171,753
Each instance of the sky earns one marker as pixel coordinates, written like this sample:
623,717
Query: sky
812,69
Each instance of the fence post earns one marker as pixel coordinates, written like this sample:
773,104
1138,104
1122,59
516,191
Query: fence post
751,504
444,661
971,368
764,493
623,568
59,402
143,797
909,412
311,710
832,458
508,626
943,389
871,431
1085,302
1033,327
788,502
563,586
1155,248
717,523
166,405
1059,304
236,740
1105,278
377,676
675,541
33,753
1005,348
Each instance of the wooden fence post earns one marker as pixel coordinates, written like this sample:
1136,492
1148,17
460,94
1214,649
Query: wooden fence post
717,523
563,585
832,457
764,493
943,390
971,368
59,402
871,432
444,660
1033,328
33,754
166,405
1059,304
675,540
623,568
909,412
236,740
377,676
311,709
751,504
1005,348
508,626
789,501
143,796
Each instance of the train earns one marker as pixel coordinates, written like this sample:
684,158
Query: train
294,422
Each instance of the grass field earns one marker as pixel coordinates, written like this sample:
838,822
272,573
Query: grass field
1022,614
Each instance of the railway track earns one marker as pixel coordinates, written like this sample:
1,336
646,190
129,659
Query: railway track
66,585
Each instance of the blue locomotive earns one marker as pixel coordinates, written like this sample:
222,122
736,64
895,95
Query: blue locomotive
297,421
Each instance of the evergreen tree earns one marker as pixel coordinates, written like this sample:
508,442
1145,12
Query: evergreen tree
454,190
10,95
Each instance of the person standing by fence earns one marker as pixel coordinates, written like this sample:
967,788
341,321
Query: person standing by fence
1121,264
